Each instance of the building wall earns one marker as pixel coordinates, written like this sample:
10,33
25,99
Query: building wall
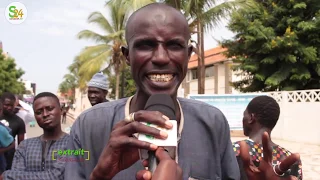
218,83
29,86
299,116
81,101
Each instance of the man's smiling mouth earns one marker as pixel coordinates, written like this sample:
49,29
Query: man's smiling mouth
160,77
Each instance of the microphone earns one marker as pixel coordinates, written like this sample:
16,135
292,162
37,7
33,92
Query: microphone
164,104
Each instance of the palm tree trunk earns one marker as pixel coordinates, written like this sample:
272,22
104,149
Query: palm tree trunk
117,84
201,65
122,82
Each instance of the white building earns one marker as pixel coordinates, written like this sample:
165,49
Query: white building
30,86
218,74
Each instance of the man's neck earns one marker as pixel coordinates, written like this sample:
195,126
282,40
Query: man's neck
256,135
139,101
52,134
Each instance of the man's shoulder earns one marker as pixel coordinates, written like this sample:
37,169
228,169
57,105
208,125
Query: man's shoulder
17,118
30,141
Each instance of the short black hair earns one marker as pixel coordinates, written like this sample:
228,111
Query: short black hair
8,95
265,109
46,94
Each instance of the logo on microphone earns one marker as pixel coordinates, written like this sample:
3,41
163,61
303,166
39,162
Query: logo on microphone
149,136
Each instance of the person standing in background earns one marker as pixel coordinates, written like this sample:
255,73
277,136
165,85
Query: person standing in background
6,142
98,89
64,110
261,115
23,113
16,124
37,158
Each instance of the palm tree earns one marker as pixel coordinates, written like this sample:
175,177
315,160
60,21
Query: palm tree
108,49
203,15
69,83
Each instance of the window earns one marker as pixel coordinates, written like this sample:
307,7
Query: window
209,71
194,74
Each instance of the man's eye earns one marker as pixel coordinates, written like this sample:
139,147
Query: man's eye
146,45
174,46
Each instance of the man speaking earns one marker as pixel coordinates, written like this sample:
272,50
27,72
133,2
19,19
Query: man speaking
158,53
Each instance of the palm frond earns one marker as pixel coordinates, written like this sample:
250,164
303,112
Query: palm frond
92,66
90,35
130,5
99,19
91,52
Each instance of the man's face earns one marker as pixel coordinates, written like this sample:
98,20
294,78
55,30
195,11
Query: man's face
16,106
47,112
96,95
158,52
8,106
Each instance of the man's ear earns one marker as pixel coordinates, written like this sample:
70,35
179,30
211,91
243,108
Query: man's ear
190,50
125,52
252,118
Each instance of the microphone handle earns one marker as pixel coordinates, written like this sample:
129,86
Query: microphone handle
152,161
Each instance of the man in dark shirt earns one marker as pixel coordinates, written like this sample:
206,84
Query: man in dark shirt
98,89
16,124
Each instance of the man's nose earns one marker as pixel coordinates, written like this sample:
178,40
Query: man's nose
160,56
45,113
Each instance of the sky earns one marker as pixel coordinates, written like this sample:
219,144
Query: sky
45,44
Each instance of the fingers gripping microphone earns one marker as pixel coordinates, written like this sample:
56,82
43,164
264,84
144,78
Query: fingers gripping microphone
164,104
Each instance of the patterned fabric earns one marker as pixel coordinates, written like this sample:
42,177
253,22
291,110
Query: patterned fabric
29,164
278,153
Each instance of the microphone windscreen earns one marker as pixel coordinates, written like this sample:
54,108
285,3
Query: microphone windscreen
162,103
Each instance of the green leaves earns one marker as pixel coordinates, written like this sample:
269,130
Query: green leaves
10,76
301,5
276,78
279,46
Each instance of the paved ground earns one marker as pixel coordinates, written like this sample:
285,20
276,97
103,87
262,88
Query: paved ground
310,154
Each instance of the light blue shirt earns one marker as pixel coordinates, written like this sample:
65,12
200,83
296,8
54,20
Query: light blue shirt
5,137
5,140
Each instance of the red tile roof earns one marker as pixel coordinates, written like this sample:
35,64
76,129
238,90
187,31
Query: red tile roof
212,56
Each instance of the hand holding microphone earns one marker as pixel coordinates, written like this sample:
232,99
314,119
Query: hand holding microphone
122,150
164,104
167,168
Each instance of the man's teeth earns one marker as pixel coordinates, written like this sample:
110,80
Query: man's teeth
160,77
